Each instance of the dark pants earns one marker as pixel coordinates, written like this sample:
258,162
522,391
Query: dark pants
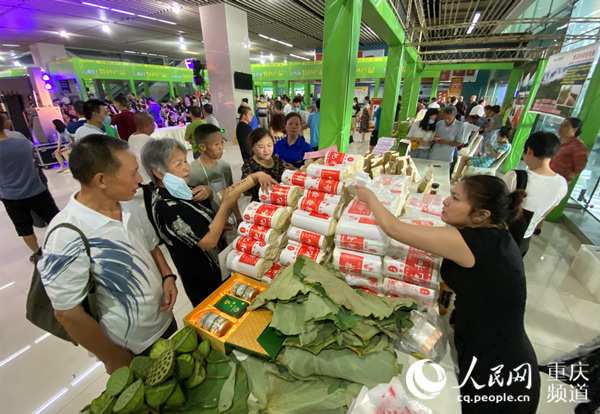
524,246
19,211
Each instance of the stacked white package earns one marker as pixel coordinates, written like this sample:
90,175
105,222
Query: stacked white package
258,232
314,222
331,172
321,196
268,215
281,195
308,237
373,284
294,249
339,158
290,177
272,273
393,287
359,226
391,191
424,206
248,264
412,265
360,244
313,205
257,248
357,263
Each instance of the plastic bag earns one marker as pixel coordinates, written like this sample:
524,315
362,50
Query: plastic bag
426,338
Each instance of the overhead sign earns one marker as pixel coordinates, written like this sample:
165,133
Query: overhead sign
366,68
563,80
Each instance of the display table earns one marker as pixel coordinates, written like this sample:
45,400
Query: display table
175,132
441,175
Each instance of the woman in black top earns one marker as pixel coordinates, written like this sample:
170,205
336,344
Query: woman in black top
264,167
482,264
191,231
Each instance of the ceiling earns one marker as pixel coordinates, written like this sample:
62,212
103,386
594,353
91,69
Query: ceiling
153,31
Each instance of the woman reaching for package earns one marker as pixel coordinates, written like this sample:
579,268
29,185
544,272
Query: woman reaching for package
482,264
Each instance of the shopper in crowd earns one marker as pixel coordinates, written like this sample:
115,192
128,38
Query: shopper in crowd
422,133
265,167
470,129
483,266
187,109
242,131
196,114
490,132
471,105
136,289
375,133
314,123
261,110
208,115
420,105
434,104
144,128
354,124
479,109
172,119
398,108
485,160
573,154
287,108
292,149
63,145
21,189
124,119
545,189
95,113
365,119
209,173
277,128
277,108
460,106
448,136
154,111
297,108
191,231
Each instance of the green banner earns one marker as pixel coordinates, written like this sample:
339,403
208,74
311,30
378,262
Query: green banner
365,68
11,73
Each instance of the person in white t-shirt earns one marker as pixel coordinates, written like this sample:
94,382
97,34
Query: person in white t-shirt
422,132
434,104
479,109
135,287
287,108
545,189
144,124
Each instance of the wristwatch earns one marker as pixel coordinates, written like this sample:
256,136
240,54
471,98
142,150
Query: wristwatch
165,277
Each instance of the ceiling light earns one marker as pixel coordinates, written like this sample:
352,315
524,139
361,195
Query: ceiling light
166,21
129,51
152,54
470,30
62,33
176,8
271,57
9,45
95,5
476,17
123,11
272,39
262,61
180,39
16,63
105,28
182,46
299,57
147,17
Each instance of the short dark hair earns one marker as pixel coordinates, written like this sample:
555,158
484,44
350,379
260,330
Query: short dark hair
78,107
292,115
318,103
95,154
285,98
496,109
278,122
245,100
433,99
544,144
297,99
576,123
480,101
142,118
278,105
488,107
202,132
450,110
424,124
208,108
452,99
59,125
258,134
487,192
92,106
151,99
121,100
243,110
196,111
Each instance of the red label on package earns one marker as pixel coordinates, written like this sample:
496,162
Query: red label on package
272,272
330,174
352,263
352,243
258,232
328,186
309,251
279,194
363,220
320,216
335,158
298,178
264,214
359,207
317,195
244,244
249,259
309,238
419,264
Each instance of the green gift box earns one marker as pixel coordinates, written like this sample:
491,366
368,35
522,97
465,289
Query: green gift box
232,306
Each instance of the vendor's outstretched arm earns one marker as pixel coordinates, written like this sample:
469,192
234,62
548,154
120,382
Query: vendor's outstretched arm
441,241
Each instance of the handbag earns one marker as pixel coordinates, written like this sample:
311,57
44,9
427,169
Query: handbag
519,226
39,310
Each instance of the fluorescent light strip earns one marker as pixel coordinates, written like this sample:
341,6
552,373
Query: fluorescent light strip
129,51
41,338
476,17
85,374
299,57
276,40
13,356
166,21
123,11
146,17
152,54
95,5
7,285
51,401
9,45
470,30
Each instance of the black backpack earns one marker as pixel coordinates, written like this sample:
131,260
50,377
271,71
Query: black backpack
518,227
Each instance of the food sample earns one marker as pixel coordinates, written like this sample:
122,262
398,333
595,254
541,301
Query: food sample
244,291
213,323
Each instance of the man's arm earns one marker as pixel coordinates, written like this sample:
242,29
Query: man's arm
169,287
86,331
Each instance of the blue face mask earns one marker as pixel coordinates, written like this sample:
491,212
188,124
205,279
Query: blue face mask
106,121
296,110
431,122
177,187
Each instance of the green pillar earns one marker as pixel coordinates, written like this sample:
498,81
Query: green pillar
526,122
391,89
171,90
132,87
82,89
377,86
340,40
591,127
434,86
275,89
146,89
410,90
177,91
107,90
307,94
287,88
511,88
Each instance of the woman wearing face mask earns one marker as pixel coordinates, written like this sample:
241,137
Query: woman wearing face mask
292,149
191,231
365,119
264,167
483,265
422,132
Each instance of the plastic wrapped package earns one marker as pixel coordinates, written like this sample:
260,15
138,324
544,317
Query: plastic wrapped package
360,226
281,195
339,158
292,251
362,264
268,215
411,270
331,172
307,237
316,206
360,244
393,201
394,183
412,256
423,222
371,283
395,287
314,222
258,232
387,398
290,177
247,264
324,185
256,248
425,338
272,273
360,208
321,196
424,206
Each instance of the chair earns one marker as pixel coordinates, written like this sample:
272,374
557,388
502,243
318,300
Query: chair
469,149
491,170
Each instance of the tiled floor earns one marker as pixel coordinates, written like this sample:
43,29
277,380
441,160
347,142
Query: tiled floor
40,373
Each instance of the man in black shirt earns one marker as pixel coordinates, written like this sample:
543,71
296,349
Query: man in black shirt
243,130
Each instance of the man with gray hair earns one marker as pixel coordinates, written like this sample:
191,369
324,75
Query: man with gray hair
135,286
448,136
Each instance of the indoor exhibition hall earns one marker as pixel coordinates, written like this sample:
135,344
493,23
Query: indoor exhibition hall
181,232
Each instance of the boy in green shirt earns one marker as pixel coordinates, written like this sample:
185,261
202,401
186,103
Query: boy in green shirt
196,113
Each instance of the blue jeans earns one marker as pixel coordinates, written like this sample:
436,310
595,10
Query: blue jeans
419,153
